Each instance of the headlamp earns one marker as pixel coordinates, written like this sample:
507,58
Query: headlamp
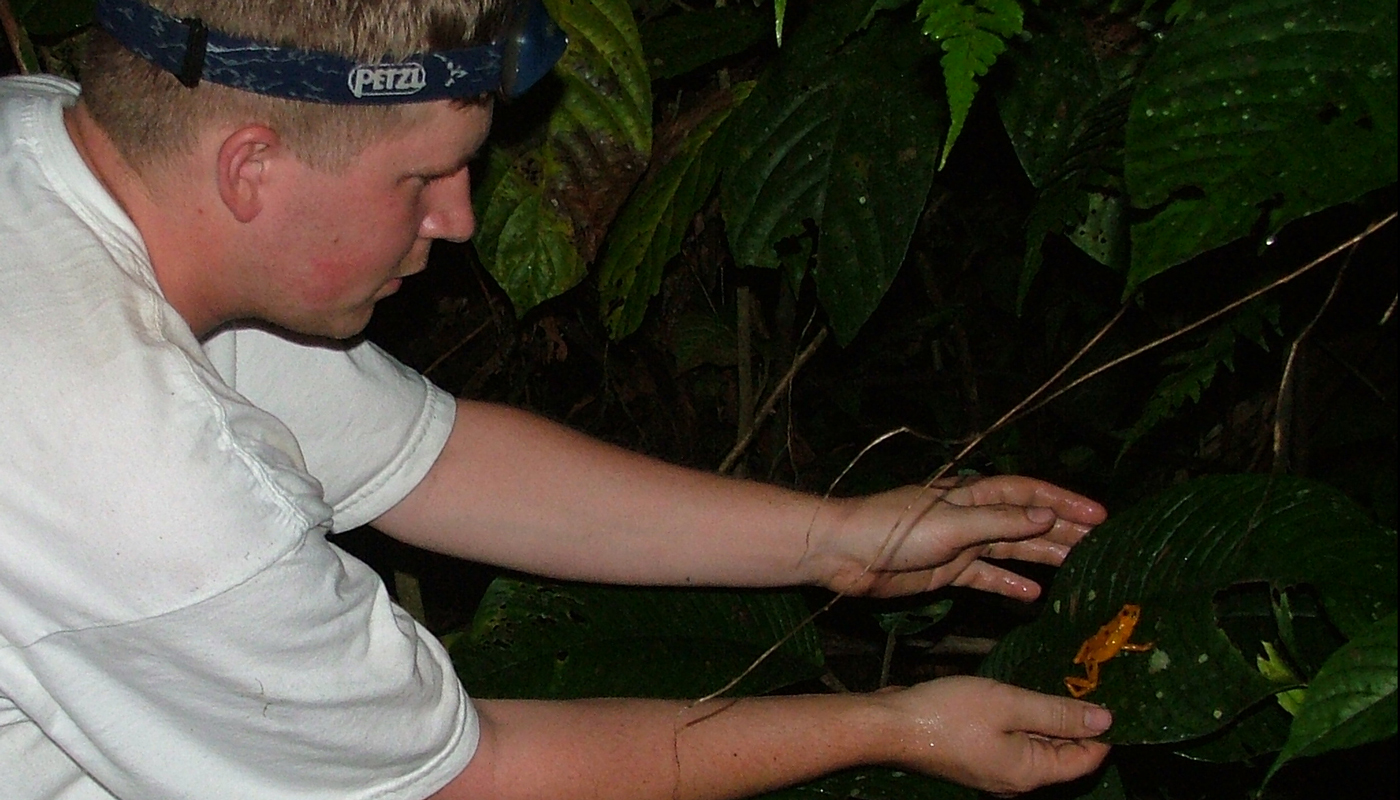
193,52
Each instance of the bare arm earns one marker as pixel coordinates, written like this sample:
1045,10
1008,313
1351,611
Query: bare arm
514,490
971,730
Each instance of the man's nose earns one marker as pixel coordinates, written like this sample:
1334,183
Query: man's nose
449,208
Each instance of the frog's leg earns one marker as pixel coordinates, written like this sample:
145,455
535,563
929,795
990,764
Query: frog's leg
1078,687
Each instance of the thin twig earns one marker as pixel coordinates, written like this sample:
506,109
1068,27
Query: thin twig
1287,385
771,404
1370,229
437,362
12,34
1021,409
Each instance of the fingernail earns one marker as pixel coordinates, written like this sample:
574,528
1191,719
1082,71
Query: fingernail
1097,719
1039,514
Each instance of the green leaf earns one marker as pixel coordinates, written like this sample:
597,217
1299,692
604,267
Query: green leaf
1352,700
1194,370
1254,113
699,339
549,640
1174,555
595,145
972,35
652,225
1064,106
527,244
914,620
844,141
679,43
1276,668
55,17
874,784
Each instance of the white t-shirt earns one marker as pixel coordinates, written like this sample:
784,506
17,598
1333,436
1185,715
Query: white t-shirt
173,622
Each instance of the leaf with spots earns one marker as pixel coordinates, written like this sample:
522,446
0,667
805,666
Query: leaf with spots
874,783
1254,113
842,139
1184,557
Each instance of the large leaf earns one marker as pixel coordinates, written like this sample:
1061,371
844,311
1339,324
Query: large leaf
53,17
1179,556
874,784
844,140
1352,701
1253,113
680,42
546,640
651,226
1064,105
527,244
595,146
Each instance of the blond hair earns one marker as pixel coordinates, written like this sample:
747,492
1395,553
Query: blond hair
151,117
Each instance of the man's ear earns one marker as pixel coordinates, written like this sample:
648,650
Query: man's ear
245,161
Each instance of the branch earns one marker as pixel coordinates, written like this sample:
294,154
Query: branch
771,403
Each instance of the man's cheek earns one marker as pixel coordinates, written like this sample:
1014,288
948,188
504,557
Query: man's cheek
323,282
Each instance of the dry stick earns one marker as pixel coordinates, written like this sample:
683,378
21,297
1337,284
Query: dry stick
1021,410
437,362
890,537
771,403
12,32
1370,229
1283,404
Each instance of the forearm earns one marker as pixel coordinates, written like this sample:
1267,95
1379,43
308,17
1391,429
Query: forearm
516,490
642,749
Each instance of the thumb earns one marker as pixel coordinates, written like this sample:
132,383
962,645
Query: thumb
1061,717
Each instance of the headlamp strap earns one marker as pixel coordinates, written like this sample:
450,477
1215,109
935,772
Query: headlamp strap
193,52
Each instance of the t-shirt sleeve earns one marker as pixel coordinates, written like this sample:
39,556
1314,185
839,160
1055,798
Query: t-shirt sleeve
368,426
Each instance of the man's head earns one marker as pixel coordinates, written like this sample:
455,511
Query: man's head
151,116
299,213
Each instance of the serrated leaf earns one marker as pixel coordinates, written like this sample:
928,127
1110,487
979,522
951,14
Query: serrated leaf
527,244
1352,701
595,145
652,225
548,640
845,141
972,35
1254,113
1171,555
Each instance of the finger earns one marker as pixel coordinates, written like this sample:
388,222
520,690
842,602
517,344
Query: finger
1040,550
1022,491
1001,522
1058,760
986,577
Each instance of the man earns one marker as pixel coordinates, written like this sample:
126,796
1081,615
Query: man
182,246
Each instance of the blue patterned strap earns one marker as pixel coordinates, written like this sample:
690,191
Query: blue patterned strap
194,53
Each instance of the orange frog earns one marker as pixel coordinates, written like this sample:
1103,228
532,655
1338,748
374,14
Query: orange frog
1111,639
